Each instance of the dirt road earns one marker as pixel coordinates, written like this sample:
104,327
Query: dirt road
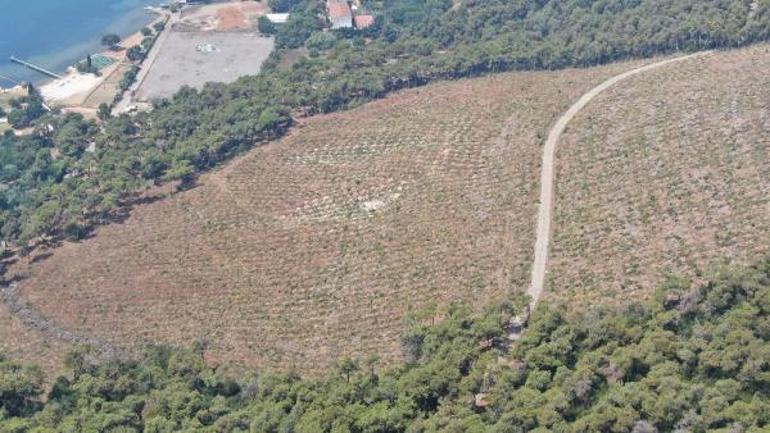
543,233
127,101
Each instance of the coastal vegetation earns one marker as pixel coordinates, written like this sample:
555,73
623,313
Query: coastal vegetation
694,358
137,53
128,79
110,40
413,43
26,109
86,66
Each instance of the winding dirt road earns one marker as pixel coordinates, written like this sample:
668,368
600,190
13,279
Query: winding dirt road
543,233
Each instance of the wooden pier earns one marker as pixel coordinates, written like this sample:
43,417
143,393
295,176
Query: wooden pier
34,67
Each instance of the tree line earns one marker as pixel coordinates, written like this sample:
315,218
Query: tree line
692,359
72,174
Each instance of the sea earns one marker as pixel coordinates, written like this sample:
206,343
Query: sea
57,33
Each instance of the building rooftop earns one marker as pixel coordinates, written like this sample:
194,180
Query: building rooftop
363,21
338,9
340,14
277,18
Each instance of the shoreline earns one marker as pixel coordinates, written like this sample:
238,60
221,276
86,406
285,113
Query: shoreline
9,81
86,92
74,89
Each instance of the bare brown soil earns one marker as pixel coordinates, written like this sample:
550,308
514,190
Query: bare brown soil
225,17
664,173
314,247
231,18
240,15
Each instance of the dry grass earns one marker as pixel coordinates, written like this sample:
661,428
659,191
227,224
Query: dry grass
231,18
665,173
314,247
20,342
107,89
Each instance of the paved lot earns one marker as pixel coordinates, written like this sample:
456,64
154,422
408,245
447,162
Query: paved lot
194,58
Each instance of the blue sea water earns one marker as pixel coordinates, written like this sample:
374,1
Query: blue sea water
57,33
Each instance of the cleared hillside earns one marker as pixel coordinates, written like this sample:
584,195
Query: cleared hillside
662,174
19,341
315,247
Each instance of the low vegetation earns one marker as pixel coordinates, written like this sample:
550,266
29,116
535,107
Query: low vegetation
665,184
694,358
22,343
111,41
317,245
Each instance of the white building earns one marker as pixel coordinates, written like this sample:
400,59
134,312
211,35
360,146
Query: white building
277,18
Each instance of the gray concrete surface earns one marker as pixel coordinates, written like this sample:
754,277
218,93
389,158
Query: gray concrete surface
181,61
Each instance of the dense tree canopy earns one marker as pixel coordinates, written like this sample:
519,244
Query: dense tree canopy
55,187
693,359
110,40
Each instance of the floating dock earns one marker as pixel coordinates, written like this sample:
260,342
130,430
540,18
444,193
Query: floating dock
35,67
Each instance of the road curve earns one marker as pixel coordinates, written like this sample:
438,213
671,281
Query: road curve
543,233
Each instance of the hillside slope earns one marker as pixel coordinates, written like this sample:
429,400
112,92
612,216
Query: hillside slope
21,342
663,174
316,246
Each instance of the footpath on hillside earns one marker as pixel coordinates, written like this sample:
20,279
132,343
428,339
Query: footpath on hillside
543,233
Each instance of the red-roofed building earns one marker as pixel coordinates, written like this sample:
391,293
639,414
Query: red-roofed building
340,14
363,21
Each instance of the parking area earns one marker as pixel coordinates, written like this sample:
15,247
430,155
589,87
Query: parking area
194,58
